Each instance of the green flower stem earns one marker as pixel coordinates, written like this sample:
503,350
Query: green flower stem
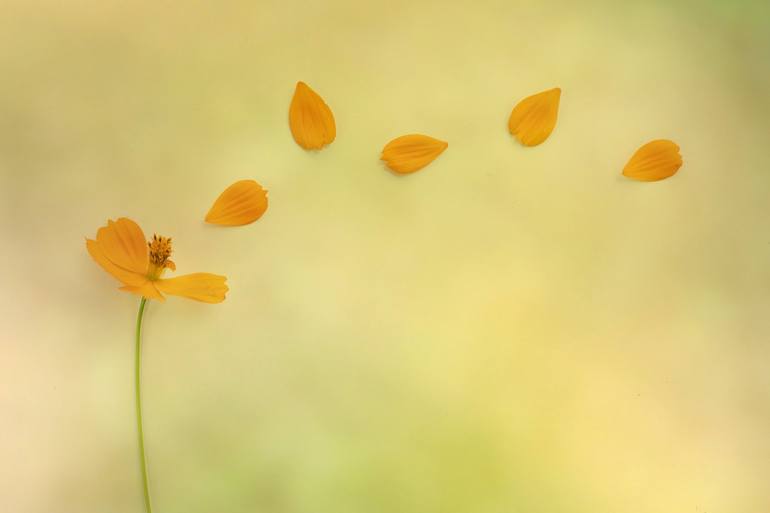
139,425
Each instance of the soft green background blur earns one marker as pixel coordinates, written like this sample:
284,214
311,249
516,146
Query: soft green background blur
509,330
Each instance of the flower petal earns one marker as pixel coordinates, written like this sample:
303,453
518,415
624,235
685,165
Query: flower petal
242,203
533,118
123,275
654,161
310,119
205,287
123,242
409,153
147,290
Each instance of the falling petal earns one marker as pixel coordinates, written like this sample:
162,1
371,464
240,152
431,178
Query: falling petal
242,203
654,161
310,119
409,153
533,118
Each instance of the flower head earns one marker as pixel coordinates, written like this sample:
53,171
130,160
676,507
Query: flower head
122,250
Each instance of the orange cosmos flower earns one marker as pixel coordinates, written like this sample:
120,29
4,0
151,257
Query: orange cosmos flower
311,121
534,118
121,249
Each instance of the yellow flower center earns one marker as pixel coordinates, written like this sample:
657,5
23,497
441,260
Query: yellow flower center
160,251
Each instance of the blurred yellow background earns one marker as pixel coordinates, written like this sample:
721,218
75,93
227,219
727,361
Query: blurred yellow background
508,330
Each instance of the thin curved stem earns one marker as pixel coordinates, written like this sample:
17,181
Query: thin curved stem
139,425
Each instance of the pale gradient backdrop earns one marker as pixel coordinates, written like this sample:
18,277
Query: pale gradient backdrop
509,330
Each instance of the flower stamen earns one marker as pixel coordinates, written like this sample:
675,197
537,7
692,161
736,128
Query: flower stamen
160,251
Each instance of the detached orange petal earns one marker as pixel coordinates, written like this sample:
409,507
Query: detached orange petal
123,275
310,119
534,118
654,161
204,287
123,242
242,203
409,153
